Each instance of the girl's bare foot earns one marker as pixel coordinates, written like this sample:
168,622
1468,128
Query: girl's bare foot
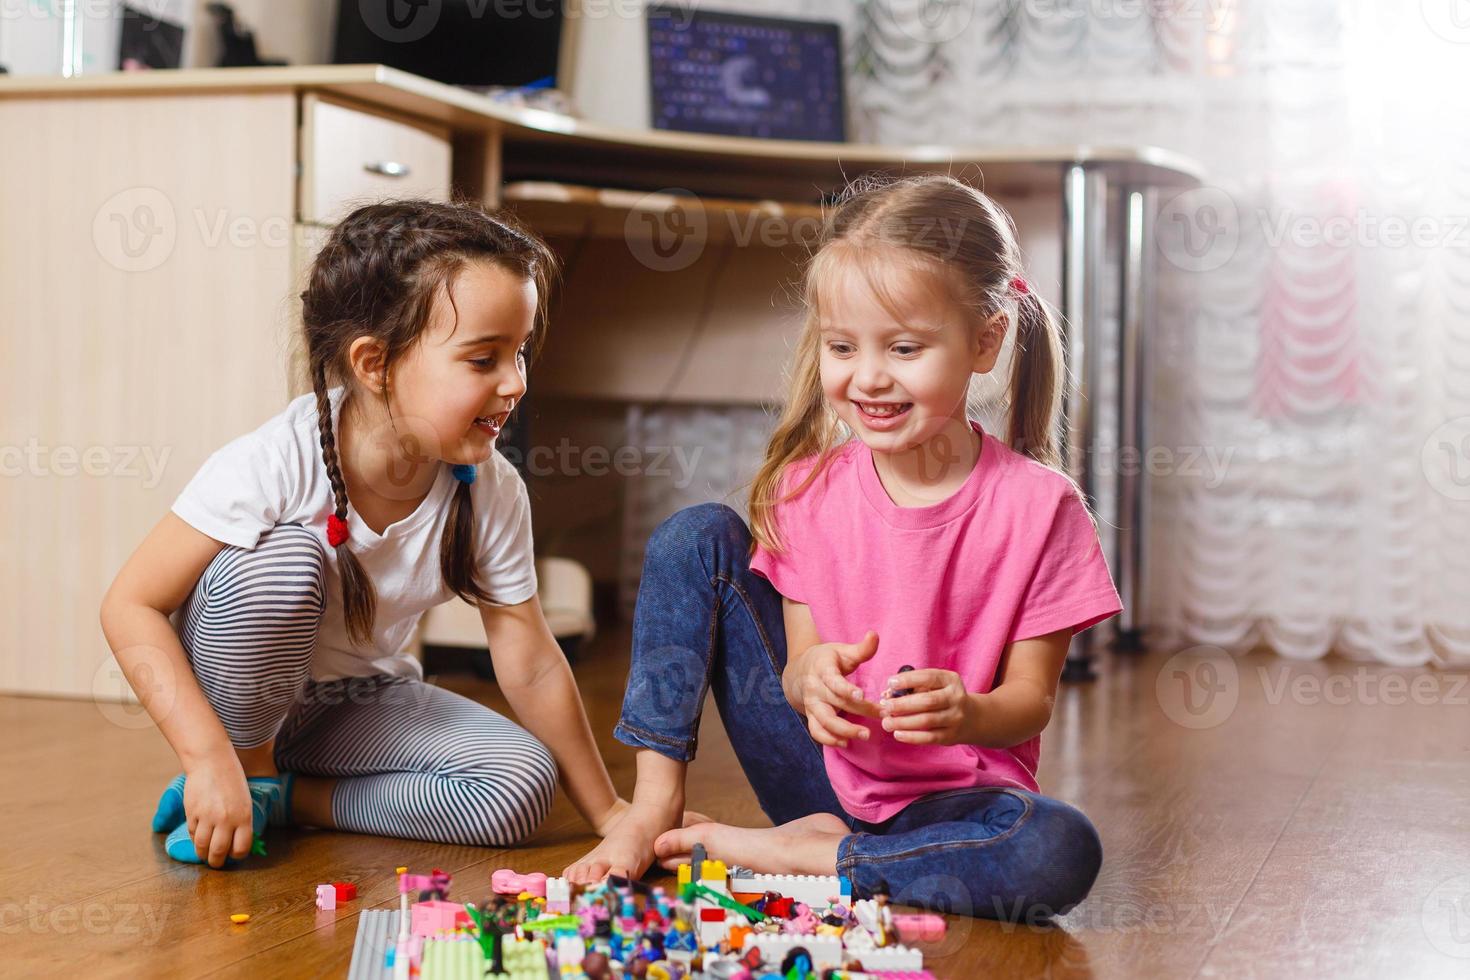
627,850
807,846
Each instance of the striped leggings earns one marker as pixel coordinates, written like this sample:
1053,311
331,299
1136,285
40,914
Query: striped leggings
412,760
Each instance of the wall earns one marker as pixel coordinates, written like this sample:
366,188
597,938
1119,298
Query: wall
32,32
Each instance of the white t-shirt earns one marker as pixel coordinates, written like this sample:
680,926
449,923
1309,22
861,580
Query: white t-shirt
275,475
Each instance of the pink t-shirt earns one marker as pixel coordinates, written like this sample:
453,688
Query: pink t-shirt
1010,555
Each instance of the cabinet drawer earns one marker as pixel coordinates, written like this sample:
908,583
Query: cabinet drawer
350,158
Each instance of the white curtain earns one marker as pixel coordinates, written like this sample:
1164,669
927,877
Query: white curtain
1311,357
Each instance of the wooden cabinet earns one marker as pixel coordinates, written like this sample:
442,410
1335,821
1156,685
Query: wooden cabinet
350,157
151,256
145,259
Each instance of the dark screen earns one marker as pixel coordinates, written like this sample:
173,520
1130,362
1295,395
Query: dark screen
745,76
461,42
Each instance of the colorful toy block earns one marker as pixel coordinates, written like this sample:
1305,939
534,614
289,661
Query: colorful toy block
432,917
826,951
814,890
535,927
919,928
508,882
558,896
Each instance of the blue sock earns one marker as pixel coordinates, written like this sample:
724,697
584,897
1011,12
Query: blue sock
274,795
270,804
170,812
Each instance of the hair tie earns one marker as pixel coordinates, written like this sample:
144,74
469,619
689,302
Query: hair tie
464,473
1020,286
336,531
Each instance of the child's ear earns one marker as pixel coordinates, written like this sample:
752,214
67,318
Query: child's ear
989,339
369,363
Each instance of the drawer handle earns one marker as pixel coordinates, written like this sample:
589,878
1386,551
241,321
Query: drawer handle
387,168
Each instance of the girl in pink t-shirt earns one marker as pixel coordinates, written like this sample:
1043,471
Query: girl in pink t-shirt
884,642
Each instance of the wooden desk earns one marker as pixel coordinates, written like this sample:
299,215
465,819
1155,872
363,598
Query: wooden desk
157,226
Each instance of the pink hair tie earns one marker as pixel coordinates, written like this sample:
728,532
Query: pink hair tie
1019,285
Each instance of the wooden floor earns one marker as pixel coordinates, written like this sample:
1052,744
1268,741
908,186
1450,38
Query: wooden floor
1319,827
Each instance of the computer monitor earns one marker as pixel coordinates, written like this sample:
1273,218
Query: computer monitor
461,42
739,75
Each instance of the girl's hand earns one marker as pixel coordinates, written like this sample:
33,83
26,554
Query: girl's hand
937,711
817,683
217,806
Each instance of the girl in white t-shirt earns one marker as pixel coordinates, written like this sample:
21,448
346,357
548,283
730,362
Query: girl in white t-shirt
265,622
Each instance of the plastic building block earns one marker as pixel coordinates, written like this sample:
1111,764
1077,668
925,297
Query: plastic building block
919,928
891,958
452,958
814,890
696,890
436,883
429,918
524,955
826,951
508,882
552,922
402,870
326,897
558,896
375,935
570,949
794,927
903,692
240,917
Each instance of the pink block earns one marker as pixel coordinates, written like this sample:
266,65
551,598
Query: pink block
432,918
508,882
919,928
326,897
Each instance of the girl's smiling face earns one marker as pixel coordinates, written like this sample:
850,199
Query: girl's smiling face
897,348
453,390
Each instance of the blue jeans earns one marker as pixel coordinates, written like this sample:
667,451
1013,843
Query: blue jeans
705,620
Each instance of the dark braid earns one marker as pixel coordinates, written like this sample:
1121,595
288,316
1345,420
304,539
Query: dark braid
377,276
359,599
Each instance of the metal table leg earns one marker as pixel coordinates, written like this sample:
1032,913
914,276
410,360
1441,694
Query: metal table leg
1134,299
1084,215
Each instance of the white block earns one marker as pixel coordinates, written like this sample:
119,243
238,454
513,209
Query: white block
569,951
826,950
891,958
